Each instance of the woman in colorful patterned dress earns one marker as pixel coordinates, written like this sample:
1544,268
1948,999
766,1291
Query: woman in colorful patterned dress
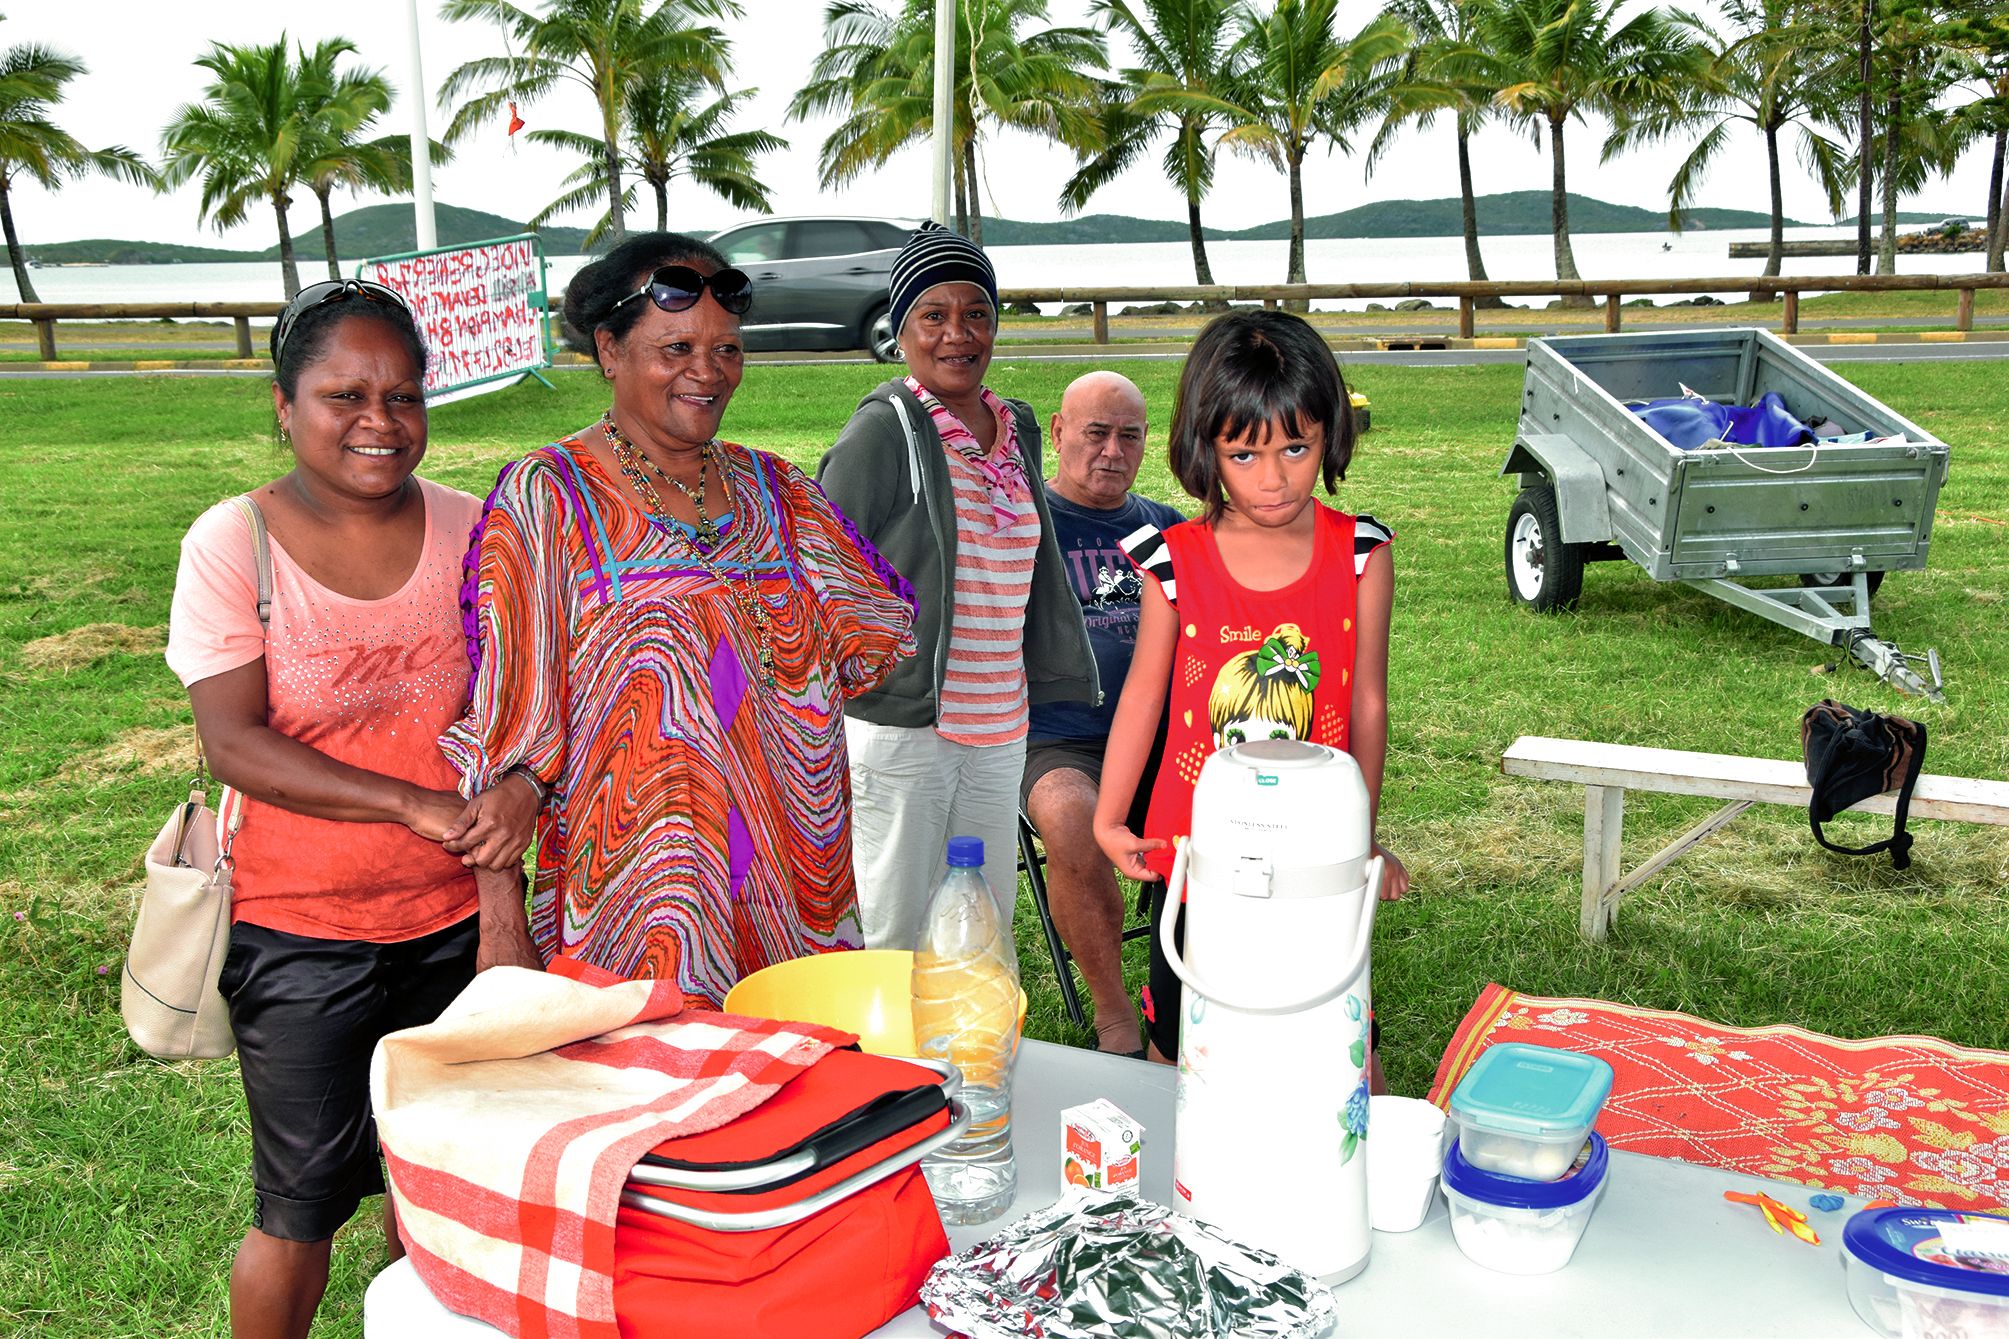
668,626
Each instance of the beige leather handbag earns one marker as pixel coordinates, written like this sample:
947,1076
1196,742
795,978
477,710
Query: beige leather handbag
168,993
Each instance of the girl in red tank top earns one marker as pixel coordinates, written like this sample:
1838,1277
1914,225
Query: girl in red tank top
1264,618
1267,616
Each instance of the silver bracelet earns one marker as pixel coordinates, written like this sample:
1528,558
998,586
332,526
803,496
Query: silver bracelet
537,787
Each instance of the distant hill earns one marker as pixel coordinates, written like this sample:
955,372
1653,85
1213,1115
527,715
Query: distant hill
1514,213
1906,216
1087,230
104,251
374,230
386,229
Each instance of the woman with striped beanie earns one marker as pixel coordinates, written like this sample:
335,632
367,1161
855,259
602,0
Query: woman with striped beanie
942,475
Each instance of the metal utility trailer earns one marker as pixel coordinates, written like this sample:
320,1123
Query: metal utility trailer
1597,483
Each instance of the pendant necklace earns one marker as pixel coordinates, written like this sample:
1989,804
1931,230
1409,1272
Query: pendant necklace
745,593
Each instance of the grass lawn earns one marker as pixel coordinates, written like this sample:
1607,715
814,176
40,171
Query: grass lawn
124,1182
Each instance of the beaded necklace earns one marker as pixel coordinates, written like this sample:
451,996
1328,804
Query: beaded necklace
744,594
708,531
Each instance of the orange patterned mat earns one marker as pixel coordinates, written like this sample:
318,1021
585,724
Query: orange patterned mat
1909,1119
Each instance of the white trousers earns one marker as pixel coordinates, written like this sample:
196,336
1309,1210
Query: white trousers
912,790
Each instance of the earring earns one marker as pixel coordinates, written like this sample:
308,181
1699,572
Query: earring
606,373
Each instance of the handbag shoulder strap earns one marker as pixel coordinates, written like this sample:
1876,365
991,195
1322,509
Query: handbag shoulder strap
261,546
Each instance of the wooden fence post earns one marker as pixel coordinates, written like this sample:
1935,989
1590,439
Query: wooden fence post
1465,317
1964,319
1101,323
1791,324
243,324
45,338
1269,304
1611,313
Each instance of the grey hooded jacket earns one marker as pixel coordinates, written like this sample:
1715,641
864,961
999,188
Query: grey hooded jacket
888,475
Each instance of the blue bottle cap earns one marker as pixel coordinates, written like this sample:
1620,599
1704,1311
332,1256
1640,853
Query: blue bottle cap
966,852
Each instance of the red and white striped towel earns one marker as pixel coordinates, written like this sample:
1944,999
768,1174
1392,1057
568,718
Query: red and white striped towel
510,1126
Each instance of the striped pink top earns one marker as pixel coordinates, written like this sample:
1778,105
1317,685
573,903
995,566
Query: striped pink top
997,537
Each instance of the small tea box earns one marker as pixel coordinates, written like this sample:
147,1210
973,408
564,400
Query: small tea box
1100,1146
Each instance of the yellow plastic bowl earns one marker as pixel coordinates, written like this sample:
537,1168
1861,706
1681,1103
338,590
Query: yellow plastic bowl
867,991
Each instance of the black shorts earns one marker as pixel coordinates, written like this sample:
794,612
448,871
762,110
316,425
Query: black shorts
1051,755
1164,992
307,1014
1085,756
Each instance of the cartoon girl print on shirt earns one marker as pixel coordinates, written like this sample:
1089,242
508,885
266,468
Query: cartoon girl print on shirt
1266,693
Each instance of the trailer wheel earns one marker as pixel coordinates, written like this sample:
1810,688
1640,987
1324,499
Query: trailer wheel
1838,579
1543,573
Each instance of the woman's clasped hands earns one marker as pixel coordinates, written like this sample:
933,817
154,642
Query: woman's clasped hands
493,830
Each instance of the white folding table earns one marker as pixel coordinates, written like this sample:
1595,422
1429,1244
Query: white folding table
1665,1254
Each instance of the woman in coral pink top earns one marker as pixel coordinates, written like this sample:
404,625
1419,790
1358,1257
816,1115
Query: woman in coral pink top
320,712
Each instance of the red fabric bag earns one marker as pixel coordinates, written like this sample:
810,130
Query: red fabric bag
839,1272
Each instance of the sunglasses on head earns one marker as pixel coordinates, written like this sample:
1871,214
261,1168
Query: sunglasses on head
676,288
323,293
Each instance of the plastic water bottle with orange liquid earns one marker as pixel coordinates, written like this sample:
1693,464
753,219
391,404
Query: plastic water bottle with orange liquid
966,994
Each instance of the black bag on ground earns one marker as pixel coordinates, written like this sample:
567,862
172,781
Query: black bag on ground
1852,755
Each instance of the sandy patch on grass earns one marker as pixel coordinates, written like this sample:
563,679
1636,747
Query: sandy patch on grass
90,644
59,585
144,749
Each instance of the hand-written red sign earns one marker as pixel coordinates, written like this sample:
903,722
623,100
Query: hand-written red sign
473,308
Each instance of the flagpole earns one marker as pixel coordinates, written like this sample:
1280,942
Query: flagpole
945,76
422,211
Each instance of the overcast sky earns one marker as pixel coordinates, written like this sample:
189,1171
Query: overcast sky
140,56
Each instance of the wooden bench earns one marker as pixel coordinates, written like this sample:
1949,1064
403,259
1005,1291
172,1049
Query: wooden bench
1607,771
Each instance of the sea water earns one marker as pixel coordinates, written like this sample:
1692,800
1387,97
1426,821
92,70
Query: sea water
1620,255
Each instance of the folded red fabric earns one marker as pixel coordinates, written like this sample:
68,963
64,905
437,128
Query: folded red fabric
511,1124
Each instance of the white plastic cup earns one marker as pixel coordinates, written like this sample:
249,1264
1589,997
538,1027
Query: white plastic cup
1405,1152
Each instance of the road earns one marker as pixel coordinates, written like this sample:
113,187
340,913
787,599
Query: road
1823,353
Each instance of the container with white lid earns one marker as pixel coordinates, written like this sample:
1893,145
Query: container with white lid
1518,1226
1919,1273
1524,1110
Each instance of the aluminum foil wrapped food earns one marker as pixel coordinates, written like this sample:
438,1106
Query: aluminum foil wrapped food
1101,1266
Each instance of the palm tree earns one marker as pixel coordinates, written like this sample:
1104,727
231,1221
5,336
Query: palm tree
34,147
1555,61
1778,67
1439,77
335,154
878,69
252,135
604,46
669,138
1297,82
1913,66
1180,44
1979,31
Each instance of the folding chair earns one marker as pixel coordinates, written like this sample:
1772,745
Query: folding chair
1032,860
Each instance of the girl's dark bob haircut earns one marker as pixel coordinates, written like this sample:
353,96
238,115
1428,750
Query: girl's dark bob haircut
592,299
1247,370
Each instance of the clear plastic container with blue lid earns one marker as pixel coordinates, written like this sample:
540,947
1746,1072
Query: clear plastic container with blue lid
1918,1272
1526,1110
1517,1226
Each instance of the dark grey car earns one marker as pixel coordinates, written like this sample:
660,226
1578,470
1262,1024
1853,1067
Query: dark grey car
819,283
